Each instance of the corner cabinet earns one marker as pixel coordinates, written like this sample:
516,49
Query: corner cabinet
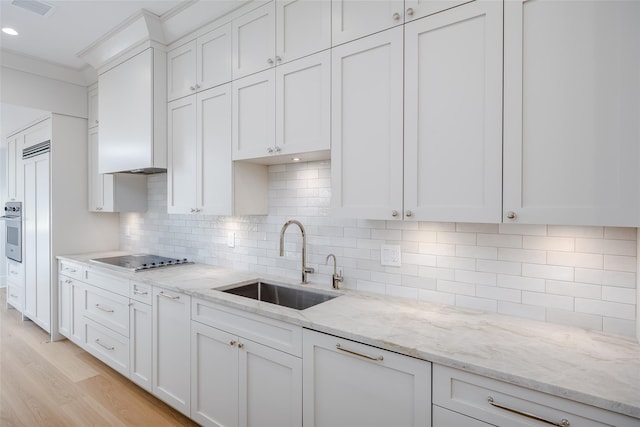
201,176
352,384
441,160
571,152
171,357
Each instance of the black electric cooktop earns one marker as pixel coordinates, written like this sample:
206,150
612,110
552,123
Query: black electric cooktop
139,262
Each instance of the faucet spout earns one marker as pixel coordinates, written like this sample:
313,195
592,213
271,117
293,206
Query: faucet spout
305,269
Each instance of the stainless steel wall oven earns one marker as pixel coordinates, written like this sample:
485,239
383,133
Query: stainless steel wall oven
13,239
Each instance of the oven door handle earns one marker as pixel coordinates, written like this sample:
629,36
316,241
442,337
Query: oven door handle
11,218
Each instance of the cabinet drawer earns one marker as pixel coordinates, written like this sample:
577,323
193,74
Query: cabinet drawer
14,296
108,346
272,333
504,404
107,281
108,309
70,269
141,292
446,418
15,273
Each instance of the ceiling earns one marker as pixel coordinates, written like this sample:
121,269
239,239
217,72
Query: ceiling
71,26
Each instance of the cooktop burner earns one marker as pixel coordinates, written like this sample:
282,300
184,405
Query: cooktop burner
139,262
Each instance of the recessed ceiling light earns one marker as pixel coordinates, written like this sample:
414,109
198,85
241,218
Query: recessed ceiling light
295,159
9,31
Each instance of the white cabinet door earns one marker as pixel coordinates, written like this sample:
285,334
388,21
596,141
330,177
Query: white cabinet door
213,58
181,171
270,386
352,384
254,118
453,115
12,169
181,73
65,303
76,320
303,27
171,355
37,241
214,376
101,186
92,107
254,41
366,143
353,19
303,105
571,113
140,344
415,9
214,168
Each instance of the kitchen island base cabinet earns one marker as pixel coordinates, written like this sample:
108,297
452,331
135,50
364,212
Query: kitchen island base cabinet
351,384
171,355
501,404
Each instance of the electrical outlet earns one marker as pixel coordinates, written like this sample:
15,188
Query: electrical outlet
390,255
231,239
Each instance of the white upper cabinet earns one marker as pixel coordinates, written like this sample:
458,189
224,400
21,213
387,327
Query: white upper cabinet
181,72
302,27
453,115
254,41
366,150
279,32
92,108
202,177
13,165
303,105
352,19
572,103
254,117
200,64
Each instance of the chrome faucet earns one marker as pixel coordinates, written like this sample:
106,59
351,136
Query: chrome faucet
336,279
305,269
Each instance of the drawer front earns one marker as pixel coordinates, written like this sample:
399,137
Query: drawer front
106,281
503,404
70,269
141,292
14,296
15,273
108,309
108,346
445,418
272,333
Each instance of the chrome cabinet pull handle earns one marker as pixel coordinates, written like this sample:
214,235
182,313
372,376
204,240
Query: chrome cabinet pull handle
162,294
232,343
396,16
269,61
410,11
104,346
13,296
103,309
511,215
409,213
366,356
394,213
67,281
562,423
137,292
70,270
240,345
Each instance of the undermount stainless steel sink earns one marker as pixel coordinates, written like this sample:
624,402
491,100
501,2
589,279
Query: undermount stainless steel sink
296,298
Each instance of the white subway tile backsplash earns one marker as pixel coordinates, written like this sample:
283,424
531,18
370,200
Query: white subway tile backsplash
583,276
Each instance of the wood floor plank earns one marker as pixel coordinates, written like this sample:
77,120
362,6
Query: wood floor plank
59,384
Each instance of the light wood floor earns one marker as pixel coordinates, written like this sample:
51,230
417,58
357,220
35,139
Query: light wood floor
58,384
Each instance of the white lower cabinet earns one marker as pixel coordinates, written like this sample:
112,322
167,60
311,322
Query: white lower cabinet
240,382
502,404
15,285
140,344
171,370
351,384
107,345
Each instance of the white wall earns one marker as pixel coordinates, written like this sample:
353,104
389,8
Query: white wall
3,193
584,276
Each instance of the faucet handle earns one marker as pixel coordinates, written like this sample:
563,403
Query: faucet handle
337,279
309,270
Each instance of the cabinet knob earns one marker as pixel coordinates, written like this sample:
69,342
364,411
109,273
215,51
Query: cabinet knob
192,87
197,86
396,16
269,150
511,215
278,149
269,61
97,121
240,345
410,11
278,59
394,213
409,213
232,343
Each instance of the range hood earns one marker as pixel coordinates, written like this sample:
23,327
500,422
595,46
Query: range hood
132,102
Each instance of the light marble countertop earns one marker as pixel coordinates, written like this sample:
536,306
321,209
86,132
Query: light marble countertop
585,366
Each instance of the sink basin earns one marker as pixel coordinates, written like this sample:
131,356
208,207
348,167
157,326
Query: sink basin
297,298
